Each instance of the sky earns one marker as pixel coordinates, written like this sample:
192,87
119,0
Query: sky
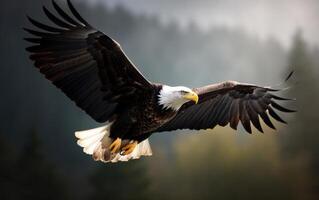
262,18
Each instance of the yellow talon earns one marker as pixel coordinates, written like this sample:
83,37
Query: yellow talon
116,145
129,148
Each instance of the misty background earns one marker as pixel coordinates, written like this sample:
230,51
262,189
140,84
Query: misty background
191,43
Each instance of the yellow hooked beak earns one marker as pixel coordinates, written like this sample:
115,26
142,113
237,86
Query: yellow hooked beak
192,96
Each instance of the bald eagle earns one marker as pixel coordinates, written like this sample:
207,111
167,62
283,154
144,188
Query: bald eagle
93,71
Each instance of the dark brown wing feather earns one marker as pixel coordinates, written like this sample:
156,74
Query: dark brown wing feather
228,103
88,66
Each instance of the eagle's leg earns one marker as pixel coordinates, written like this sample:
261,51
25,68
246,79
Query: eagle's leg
116,145
129,148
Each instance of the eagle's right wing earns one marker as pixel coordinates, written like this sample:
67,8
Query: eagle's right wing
228,103
87,65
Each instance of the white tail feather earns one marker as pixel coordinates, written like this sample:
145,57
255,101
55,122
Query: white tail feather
96,142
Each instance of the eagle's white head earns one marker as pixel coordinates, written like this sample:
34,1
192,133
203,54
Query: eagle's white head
175,97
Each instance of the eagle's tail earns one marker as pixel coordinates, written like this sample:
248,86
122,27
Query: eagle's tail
96,142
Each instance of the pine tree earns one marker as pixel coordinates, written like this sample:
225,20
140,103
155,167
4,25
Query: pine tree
7,170
303,130
302,139
37,178
127,181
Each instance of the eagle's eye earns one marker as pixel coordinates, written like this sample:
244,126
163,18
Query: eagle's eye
183,92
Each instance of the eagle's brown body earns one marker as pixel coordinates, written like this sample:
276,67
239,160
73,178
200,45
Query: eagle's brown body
137,122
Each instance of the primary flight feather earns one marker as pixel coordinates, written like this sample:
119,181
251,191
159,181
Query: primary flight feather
92,70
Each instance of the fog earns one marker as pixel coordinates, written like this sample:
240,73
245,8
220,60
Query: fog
262,18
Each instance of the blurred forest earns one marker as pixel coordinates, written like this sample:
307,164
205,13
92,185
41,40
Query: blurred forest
39,158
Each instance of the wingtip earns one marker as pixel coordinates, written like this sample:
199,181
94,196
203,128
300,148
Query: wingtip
281,108
274,115
53,2
76,13
289,75
270,89
273,127
264,116
282,98
69,3
29,18
33,40
64,15
26,39
27,30
258,126
45,10
33,21
28,49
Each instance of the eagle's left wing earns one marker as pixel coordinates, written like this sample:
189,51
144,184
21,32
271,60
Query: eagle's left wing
88,66
228,102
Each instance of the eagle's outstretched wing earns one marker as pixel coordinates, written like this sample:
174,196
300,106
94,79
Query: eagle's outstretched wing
228,102
88,66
